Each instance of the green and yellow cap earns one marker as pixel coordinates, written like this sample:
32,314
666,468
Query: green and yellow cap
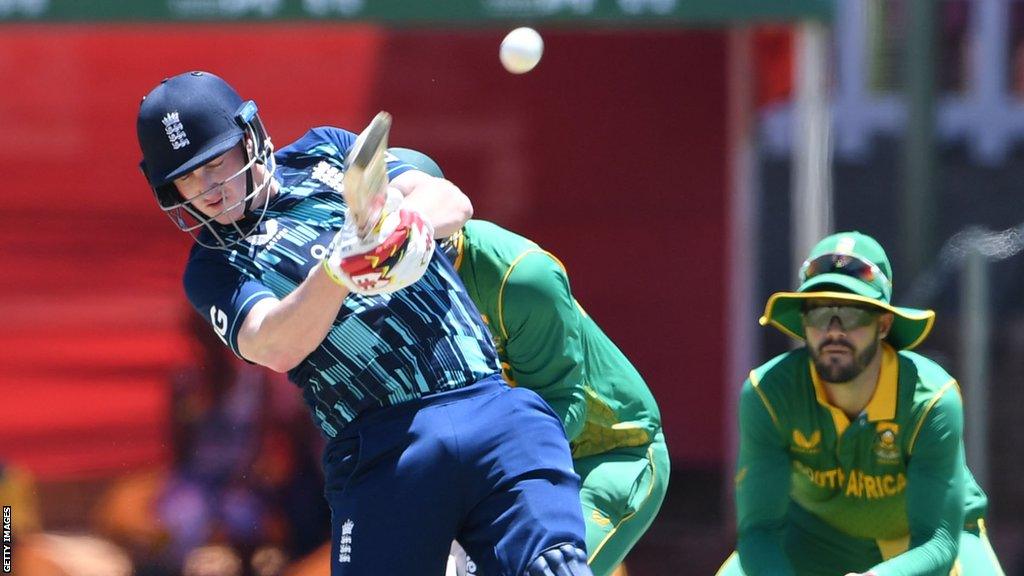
848,266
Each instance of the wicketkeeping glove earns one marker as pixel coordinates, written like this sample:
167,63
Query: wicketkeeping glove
393,255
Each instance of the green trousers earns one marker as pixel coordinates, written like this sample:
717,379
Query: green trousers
976,558
621,494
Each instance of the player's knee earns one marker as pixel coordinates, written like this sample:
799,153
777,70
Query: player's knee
560,560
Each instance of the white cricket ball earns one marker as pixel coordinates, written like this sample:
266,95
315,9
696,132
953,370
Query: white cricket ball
521,50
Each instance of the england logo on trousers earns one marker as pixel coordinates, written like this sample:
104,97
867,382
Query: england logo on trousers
345,544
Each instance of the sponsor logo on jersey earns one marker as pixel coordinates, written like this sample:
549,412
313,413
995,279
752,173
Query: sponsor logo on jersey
175,131
806,445
270,233
886,447
330,175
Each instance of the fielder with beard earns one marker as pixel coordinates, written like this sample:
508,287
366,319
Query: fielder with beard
851,457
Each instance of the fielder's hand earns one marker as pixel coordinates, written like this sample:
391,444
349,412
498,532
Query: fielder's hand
393,255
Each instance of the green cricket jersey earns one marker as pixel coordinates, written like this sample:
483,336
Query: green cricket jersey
555,349
817,493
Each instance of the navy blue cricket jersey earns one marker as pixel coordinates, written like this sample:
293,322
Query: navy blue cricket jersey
383,350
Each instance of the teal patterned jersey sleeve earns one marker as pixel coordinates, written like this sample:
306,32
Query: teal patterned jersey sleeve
542,326
935,491
762,487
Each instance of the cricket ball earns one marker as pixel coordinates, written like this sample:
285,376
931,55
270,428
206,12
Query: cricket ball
521,50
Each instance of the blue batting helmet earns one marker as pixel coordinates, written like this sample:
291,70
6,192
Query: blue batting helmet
184,123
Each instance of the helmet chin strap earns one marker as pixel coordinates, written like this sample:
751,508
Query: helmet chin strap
248,180
250,184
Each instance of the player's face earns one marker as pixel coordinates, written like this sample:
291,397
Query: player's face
843,337
217,188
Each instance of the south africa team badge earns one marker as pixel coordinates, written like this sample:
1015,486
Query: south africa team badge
887,449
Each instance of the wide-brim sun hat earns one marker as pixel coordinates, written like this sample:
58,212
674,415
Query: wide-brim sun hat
853,267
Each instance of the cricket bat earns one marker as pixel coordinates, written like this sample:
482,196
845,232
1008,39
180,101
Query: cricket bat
365,181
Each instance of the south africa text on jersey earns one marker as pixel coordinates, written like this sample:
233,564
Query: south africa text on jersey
855,483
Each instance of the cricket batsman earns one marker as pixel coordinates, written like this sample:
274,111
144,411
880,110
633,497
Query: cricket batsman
546,342
425,441
851,456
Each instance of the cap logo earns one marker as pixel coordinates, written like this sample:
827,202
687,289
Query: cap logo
175,131
845,245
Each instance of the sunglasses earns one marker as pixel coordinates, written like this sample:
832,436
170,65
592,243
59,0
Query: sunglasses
850,317
847,265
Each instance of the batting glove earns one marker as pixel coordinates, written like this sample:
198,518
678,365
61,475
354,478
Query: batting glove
393,255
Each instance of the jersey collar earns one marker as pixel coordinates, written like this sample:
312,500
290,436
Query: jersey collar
882,405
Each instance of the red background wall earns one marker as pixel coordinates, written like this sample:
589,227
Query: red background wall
611,154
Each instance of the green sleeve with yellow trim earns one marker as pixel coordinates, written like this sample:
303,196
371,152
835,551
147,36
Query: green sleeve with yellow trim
544,344
762,488
936,482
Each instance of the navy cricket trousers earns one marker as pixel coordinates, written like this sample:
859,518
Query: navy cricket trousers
486,464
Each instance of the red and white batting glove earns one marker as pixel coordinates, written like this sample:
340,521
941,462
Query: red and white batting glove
392,256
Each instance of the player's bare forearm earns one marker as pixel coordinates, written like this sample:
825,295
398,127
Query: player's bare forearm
279,334
440,201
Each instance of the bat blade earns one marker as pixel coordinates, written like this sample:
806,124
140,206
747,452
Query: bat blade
366,175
